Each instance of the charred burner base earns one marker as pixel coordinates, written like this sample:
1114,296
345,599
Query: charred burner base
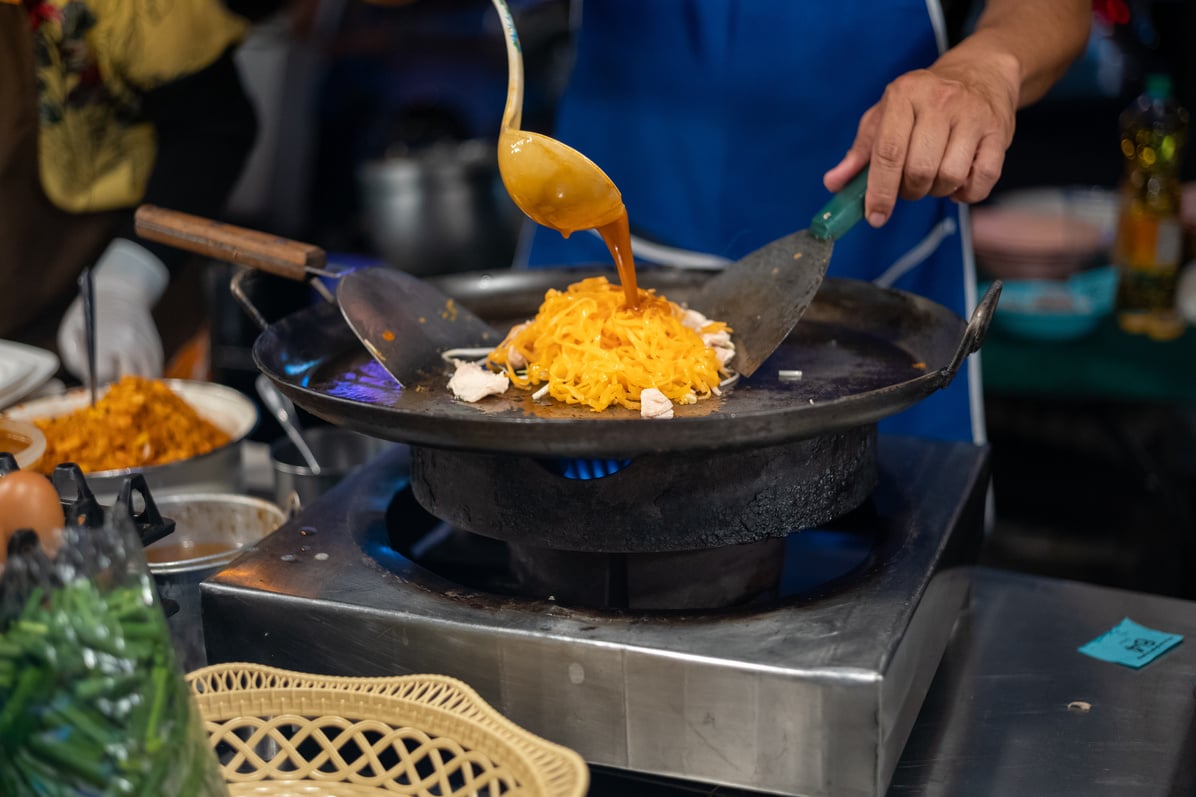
655,532
653,503
752,574
712,578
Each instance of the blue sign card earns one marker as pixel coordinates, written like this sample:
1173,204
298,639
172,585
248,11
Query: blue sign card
1130,644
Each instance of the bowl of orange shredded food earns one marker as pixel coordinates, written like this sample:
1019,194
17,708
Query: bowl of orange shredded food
182,435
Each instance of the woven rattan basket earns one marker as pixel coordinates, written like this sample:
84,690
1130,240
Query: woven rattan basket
282,733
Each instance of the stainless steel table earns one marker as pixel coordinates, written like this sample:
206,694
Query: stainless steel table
997,719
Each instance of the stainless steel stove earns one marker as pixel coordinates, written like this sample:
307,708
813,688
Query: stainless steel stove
810,689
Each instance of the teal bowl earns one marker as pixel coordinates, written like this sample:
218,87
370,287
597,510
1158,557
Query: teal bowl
1056,309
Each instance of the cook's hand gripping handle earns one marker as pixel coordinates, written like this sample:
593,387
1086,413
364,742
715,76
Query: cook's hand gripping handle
258,250
843,211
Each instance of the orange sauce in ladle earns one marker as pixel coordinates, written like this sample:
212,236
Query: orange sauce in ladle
554,184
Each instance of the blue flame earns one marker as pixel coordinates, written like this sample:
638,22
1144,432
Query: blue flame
586,469
816,556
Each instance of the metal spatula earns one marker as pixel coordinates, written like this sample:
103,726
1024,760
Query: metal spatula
404,322
763,295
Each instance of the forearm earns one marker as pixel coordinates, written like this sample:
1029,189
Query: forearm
1030,43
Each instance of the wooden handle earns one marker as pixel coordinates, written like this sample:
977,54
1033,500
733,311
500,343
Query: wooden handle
279,256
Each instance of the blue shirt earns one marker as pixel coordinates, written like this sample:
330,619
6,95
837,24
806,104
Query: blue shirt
717,120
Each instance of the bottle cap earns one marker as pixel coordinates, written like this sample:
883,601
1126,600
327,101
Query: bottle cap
1158,86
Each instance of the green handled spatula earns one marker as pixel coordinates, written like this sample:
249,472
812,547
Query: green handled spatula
763,295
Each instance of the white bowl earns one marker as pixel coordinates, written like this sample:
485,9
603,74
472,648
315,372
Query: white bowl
1090,204
219,470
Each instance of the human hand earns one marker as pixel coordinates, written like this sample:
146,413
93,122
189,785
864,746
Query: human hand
128,281
941,131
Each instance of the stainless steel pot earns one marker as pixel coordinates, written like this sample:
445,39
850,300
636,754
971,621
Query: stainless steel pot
338,452
440,210
211,530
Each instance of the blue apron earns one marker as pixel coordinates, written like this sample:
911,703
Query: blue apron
717,120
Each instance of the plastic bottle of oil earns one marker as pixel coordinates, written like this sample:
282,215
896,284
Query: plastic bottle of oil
1148,249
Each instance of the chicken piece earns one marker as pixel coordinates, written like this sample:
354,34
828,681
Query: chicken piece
654,404
515,357
694,320
471,382
719,341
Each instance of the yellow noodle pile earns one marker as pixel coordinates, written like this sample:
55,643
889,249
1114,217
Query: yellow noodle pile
592,350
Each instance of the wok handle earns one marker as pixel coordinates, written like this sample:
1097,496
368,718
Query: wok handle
258,250
236,287
977,328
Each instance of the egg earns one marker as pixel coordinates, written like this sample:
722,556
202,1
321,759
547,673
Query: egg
28,500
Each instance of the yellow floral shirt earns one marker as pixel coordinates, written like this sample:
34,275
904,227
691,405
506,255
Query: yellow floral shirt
94,58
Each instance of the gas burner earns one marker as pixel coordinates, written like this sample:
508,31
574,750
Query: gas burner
746,576
657,531
652,503
813,692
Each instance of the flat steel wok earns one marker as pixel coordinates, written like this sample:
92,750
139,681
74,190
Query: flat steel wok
864,353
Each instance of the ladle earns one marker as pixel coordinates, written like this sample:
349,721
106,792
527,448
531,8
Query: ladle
554,184
284,412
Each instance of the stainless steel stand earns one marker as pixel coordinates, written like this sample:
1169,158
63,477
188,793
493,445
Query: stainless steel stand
813,696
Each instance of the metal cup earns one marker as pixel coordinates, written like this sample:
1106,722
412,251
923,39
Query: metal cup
211,529
339,452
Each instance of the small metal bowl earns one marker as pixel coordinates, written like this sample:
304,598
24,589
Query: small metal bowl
219,470
211,530
339,451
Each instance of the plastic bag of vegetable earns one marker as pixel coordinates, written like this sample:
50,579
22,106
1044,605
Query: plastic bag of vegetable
92,702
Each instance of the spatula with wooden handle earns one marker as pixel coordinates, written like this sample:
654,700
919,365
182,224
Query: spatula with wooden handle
403,322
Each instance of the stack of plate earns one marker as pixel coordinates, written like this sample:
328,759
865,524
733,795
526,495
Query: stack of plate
23,369
1020,243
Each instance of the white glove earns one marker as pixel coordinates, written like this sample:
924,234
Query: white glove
128,279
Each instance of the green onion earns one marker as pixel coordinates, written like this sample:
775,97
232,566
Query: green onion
91,701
